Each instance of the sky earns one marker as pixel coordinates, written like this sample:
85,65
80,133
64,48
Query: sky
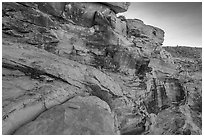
181,21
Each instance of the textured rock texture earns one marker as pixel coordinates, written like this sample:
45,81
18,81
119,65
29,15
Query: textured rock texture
118,6
76,68
137,28
80,115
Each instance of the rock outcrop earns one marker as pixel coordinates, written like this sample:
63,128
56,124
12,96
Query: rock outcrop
80,115
77,68
118,7
137,28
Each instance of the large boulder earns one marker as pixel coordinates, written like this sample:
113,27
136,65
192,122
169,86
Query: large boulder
174,121
87,14
168,122
78,116
83,13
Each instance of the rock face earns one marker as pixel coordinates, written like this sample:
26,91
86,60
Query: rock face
84,13
138,29
78,116
77,68
118,6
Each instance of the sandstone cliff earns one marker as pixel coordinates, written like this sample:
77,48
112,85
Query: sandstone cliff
77,68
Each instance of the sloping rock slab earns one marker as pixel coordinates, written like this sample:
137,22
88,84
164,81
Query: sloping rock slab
66,70
70,78
78,116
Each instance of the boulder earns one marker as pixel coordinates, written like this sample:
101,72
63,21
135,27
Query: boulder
78,116
83,13
168,122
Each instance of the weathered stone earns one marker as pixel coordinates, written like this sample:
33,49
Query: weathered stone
194,93
161,66
83,13
78,116
29,4
60,52
161,53
168,122
30,25
131,61
104,19
25,97
52,8
138,29
114,38
118,7
164,94
44,63
174,90
120,27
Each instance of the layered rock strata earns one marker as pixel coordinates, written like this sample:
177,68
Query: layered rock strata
77,68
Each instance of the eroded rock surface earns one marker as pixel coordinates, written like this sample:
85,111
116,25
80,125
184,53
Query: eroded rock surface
118,6
77,68
78,116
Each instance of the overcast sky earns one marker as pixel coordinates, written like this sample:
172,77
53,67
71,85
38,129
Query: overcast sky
181,21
